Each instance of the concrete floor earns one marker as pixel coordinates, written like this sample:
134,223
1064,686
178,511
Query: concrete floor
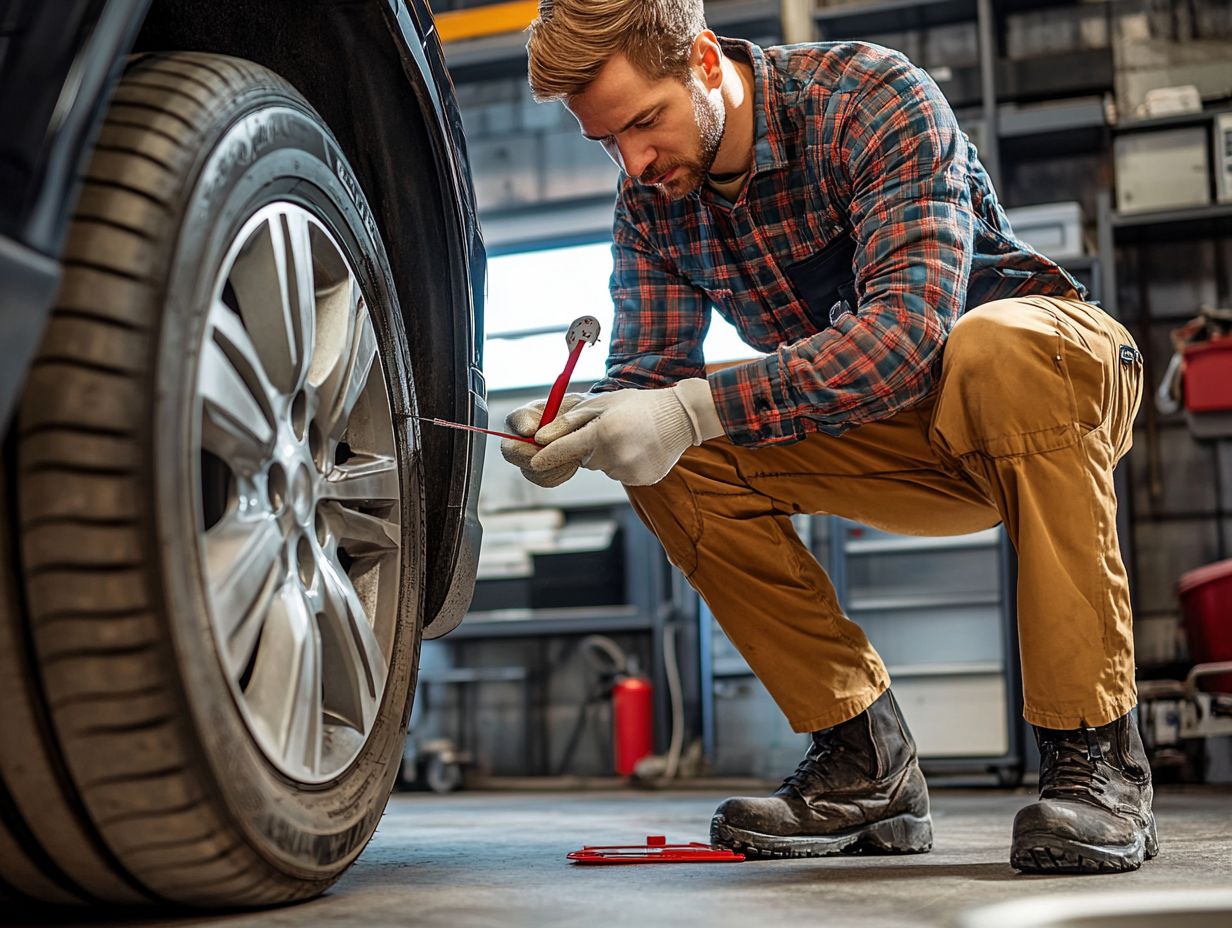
498,859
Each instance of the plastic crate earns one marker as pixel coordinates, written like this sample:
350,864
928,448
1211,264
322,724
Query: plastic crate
1208,375
1206,613
1208,388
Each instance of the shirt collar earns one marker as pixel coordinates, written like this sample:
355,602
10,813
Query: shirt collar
768,149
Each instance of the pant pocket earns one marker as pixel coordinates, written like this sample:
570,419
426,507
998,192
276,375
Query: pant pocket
1085,357
1016,380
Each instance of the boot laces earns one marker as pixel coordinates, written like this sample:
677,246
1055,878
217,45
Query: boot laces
812,769
1071,770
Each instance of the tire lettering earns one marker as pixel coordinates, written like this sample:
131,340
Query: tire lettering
355,192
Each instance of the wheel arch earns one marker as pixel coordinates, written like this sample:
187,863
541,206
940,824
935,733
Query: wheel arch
357,64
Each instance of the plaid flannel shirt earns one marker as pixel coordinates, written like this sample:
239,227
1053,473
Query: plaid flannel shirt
853,146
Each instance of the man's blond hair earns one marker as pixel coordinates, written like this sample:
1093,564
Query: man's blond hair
573,39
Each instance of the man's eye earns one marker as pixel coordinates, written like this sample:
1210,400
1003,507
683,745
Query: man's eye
647,124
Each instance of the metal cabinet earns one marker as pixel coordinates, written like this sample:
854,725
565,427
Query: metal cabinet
941,611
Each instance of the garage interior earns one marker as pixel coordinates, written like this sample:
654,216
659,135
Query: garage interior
590,698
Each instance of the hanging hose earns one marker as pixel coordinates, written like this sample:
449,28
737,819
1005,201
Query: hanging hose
592,646
619,663
672,669
620,660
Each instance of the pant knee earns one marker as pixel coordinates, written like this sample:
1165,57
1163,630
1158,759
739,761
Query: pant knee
982,340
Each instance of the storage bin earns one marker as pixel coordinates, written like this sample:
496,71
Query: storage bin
1208,375
1052,229
1206,613
1208,388
501,593
578,579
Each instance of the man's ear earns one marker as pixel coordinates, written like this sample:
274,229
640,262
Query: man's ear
706,59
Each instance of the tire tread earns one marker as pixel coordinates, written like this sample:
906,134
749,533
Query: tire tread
102,656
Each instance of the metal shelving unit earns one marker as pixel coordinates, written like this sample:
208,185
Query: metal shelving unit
1136,233
521,623
654,599
1044,105
1194,222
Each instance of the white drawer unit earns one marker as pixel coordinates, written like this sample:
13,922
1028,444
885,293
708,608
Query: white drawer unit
575,167
954,715
505,171
1162,169
938,612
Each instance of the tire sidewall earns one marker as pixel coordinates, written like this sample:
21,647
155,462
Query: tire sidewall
270,146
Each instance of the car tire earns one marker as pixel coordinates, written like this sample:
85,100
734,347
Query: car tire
212,526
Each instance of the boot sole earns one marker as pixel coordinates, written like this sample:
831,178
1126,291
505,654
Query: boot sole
902,834
1044,853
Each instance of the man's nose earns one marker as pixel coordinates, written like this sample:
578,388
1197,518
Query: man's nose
634,159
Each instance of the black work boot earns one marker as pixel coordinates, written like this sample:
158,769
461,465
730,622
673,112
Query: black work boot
1094,811
859,788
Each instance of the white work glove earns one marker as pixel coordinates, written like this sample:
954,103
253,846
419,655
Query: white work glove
525,421
634,436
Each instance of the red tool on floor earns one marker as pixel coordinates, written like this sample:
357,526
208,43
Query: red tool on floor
583,331
656,850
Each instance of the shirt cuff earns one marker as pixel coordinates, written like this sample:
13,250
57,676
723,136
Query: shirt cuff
754,403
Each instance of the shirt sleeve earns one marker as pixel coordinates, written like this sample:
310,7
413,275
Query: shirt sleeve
660,318
898,161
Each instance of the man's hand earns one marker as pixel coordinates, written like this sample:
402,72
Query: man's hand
525,421
634,436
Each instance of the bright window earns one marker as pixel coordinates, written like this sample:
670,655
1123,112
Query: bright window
532,298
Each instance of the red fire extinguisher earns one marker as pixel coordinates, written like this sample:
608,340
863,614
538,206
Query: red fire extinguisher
632,720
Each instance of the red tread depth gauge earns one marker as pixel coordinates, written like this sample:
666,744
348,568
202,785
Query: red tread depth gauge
583,331
656,850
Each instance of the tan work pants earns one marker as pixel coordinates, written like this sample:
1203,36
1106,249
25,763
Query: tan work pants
1034,408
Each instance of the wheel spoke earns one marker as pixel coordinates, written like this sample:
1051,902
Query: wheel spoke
303,302
361,534
353,661
272,280
346,373
237,422
365,478
242,563
284,693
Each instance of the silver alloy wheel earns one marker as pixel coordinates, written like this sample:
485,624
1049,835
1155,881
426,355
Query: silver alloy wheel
299,493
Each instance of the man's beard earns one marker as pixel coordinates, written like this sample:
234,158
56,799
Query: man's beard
710,119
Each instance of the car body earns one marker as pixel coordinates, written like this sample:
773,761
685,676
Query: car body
375,71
